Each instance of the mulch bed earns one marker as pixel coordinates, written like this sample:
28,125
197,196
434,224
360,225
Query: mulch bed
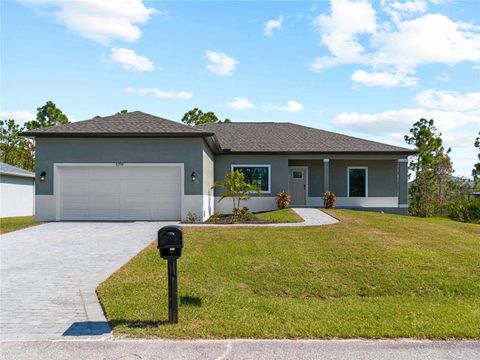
227,219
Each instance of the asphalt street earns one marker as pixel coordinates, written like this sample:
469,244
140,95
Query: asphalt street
241,349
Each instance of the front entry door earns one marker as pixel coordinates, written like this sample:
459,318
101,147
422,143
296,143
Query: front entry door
297,184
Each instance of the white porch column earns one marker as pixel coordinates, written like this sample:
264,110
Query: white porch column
326,175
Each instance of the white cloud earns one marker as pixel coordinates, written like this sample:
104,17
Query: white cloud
101,21
398,46
220,63
240,103
449,100
385,79
457,117
159,93
401,9
432,38
273,24
394,121
291,107
20,116
340,30
129,60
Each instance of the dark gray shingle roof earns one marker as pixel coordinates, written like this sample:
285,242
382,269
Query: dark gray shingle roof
134,123
290,138
6,169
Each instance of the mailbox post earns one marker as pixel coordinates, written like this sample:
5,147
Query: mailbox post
170,245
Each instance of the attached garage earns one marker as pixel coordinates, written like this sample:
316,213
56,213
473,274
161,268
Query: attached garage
119,191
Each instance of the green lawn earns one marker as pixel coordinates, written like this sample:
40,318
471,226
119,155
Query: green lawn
16,223
280,216
372,275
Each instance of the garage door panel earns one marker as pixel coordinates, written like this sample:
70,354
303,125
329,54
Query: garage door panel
120,193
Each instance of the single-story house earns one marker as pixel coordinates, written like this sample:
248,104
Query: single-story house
136,166
17,191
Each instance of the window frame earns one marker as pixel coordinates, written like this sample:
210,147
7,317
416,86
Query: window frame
366,180
268,166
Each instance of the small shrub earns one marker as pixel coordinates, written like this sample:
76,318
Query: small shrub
246,214
236,215
283,199
329,200
215,216
464,210
193,218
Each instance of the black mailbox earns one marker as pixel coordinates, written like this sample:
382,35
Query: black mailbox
170,242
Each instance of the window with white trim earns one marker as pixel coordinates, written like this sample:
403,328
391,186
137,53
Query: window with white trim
357,182
258,175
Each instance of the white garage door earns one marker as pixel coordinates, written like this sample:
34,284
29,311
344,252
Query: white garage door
110,192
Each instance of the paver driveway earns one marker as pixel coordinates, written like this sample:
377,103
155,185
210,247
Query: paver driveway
49,274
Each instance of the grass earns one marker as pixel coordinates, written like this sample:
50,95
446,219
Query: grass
280,216
16,223
372,276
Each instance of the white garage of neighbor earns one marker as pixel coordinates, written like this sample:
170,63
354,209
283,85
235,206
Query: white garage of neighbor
17,191
118,191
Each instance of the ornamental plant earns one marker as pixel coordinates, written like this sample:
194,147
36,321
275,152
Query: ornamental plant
329,200
236,188
283,199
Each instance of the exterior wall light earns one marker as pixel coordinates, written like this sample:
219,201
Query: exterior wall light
43,175
194,176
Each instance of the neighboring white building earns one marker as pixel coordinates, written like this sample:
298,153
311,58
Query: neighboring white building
17,191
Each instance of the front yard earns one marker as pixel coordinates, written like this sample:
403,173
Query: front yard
16,223
372,275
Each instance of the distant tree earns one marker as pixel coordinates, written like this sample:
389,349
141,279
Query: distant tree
432,167
47,115
476,167
14,148
124,111
198,117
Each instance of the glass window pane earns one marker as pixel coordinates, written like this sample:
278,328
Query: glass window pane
255,175
297,174
357,182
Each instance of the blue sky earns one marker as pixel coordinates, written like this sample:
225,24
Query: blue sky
369,69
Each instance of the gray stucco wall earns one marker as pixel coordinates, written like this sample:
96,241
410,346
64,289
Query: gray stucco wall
128,150
382,176
403,182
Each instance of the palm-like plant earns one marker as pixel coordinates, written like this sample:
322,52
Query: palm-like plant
236,188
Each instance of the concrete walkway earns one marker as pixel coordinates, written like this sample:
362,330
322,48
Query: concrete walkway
312,217
243,349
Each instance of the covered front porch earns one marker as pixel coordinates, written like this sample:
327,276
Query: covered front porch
371,183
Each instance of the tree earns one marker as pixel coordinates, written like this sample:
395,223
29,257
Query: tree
236,188
20,151
124,111
433,168
47,115
198,117
476,167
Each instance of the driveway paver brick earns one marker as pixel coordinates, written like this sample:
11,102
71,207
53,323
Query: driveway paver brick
48,276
